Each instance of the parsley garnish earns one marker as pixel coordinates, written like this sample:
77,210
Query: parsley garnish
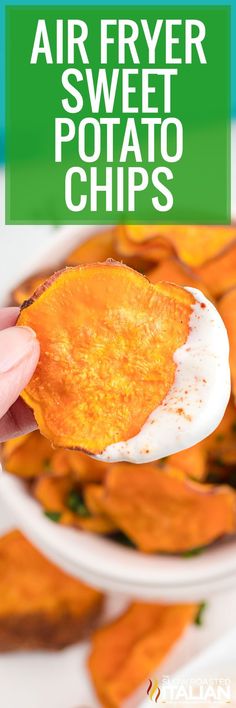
193,552
53,515
200,613
75,503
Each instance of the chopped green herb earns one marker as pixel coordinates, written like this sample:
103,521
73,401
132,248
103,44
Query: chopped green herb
76,503
193,552
53,515
233,427
198,619
220,437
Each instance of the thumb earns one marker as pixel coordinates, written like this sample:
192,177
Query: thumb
19,353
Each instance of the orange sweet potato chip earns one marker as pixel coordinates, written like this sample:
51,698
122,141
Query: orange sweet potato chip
151,250
41,606
93,495
103,245
53,493
25,289
32,455
127,650
219,274
98,247
193,461
62,497
160,509
172,270
78,465
193,244
227,309
99,349
27,456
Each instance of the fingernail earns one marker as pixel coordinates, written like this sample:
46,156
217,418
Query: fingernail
15,344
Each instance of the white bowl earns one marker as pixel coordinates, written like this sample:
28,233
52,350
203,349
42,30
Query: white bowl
100,561
111,567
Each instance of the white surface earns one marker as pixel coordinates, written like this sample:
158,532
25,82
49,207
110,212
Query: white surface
201,384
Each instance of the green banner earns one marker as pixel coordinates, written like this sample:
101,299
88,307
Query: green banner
118,114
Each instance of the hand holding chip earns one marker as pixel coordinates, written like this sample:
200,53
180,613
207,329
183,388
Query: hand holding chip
19,353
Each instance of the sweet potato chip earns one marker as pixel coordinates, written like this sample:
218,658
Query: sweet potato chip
193,244
227,309
28,456
25,289
98,247
41,606
176,272
53,493
219,274
93,495
193,462
106,365
127,650
160,509
152,250
32,455
61,497
78,465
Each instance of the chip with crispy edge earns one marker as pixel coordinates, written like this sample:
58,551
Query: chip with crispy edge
107,339
193,244
227,309
41,606
160,509
127,650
